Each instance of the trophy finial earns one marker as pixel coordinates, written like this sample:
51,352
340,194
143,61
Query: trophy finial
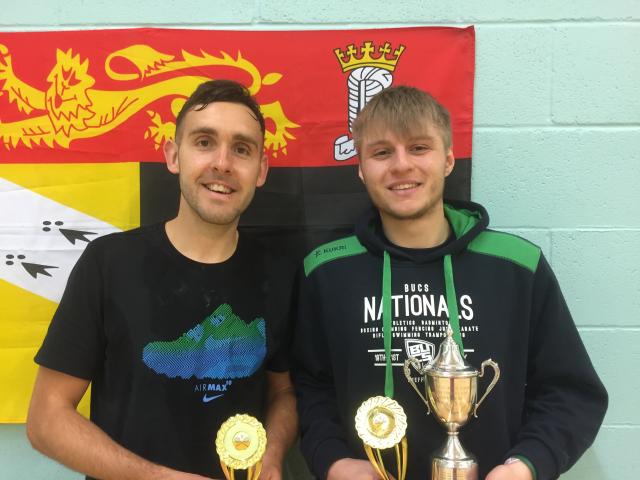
449,357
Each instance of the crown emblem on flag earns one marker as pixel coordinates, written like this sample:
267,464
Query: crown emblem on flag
367,56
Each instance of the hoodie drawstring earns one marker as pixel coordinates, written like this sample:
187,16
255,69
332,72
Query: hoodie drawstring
452,308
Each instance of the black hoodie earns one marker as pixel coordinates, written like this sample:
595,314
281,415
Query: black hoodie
548,403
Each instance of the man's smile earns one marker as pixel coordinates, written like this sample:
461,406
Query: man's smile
219,188
403,186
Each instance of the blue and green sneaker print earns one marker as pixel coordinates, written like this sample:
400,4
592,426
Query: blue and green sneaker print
223,346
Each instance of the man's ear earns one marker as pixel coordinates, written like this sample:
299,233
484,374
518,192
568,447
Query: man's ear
360,171
264,169
170,150
449,163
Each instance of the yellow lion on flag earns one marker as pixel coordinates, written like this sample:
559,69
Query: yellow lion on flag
71,109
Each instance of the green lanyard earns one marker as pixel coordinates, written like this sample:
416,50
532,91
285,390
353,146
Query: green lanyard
452,307
386,324
452,302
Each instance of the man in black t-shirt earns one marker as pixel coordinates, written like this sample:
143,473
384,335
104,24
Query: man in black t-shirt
176,326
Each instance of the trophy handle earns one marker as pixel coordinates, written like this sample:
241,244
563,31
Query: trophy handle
412,361
496,376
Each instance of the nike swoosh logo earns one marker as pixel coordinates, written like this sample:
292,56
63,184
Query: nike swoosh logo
206,398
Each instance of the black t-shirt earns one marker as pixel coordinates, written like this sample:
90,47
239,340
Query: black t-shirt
172,347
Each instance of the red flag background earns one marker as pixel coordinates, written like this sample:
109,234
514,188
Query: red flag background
83,115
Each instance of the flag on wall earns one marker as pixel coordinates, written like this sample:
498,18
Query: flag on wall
83,116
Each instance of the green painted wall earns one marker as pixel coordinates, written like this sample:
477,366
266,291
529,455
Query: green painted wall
556,157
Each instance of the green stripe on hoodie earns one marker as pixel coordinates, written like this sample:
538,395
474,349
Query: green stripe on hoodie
507,246
496,244
344,247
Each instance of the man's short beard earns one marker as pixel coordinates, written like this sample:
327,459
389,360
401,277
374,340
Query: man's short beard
427,210
215,216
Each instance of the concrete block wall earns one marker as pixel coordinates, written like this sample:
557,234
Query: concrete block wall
556,156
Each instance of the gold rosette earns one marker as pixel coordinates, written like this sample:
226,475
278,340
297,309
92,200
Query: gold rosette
381,424
240,443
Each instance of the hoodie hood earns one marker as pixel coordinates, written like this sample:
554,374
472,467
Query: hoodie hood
467,220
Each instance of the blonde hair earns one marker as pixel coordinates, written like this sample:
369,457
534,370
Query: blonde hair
403,110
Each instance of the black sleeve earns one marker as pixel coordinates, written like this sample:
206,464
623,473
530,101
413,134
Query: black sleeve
281,307
74,343
323,439
565,400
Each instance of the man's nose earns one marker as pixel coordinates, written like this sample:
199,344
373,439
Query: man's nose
401,160
222,159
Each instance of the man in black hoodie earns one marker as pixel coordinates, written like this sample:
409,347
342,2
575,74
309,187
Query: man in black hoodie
425,258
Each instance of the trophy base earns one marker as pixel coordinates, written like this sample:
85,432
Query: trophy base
442,469
452,462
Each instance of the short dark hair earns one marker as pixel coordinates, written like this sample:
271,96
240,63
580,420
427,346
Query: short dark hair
213,91
402,110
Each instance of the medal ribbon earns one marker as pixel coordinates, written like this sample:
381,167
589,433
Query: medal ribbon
386,324
452,306
452,302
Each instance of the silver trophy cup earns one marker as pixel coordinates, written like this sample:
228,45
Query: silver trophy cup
451,387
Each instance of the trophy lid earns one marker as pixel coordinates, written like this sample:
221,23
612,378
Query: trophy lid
449,361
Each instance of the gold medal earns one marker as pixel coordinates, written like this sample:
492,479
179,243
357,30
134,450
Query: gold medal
381,423
240,443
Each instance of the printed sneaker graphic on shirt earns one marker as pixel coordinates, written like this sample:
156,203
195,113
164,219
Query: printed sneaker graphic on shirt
223,346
